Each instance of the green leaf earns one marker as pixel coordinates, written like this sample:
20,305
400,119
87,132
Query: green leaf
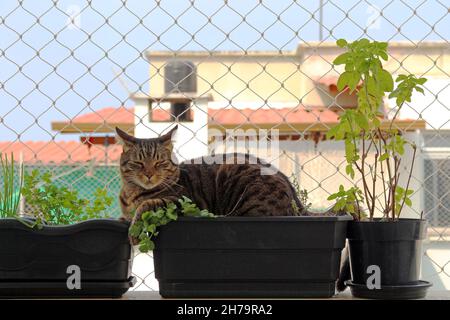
422,81
348,78
363,42
384,56
384,156
206,214
151,228
376,122
341,59
386,81
361,121
332,132
172,215
135,230
146,215
349,66
146,245
354,80
419,89
350,171
382,45
333,196
343,80
408,202
350,150
341,43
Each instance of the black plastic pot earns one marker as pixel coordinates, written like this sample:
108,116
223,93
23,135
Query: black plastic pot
34,262
394,247
250,257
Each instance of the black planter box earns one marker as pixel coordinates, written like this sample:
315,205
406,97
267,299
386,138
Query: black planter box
34,262
250,257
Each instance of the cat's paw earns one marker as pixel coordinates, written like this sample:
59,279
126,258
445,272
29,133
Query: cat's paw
134,241
125,218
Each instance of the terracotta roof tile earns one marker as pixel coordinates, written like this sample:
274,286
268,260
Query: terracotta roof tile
221,116
110,114
271,116
60,152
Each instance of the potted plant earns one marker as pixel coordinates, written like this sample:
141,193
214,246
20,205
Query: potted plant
199,254
382,246
66,247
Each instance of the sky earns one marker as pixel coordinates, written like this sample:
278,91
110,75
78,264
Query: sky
53,67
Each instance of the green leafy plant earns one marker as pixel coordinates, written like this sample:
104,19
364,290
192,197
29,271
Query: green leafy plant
146,229
363,130
347,200
58,205
10,192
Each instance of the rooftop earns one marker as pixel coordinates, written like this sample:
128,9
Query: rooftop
289,120
60,152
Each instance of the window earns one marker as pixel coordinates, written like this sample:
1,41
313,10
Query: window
173,110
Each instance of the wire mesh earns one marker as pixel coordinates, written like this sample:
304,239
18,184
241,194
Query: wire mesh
71,71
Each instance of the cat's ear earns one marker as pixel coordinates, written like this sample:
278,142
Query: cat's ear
125,139
166,139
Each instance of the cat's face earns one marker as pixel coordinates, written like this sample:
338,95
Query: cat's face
147,163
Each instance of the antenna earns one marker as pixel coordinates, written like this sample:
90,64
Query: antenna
321,21
121,80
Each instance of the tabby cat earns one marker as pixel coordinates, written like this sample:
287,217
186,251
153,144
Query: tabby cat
152,178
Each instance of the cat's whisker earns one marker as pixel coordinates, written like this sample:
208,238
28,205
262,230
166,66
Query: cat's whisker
168,185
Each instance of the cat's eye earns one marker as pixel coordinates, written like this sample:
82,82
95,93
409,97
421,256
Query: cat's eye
135,165
160,165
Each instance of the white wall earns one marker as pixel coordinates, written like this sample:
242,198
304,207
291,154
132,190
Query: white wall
191,138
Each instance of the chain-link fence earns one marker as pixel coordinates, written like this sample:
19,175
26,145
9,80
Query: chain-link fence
71,71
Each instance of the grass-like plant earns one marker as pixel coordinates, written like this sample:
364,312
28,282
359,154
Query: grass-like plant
362,131
11,190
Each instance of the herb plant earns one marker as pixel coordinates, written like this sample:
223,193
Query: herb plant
363,132
10,191
146,229
302,195
58,205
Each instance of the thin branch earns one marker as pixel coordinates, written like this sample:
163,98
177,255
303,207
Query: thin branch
391,197
374,181
409,178
366,189
367,193
384,185
397,162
